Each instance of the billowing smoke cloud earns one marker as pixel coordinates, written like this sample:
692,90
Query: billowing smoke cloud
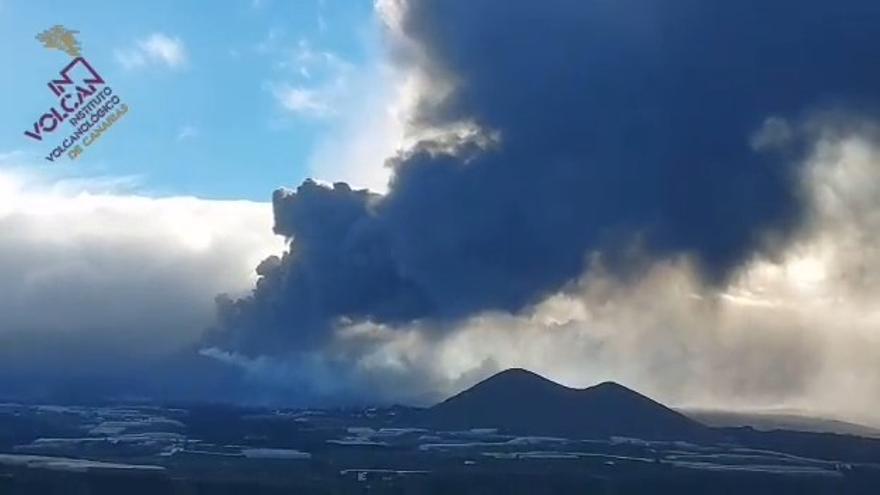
797,331
547,134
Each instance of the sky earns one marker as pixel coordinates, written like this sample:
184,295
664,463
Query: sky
318,202
218,93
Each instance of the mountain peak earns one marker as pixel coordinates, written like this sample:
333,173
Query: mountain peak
609,386
517,372
522,377
517,376
521,401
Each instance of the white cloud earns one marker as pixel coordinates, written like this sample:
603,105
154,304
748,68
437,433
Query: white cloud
315,84
303,101
156,49
187,131
774,133
90,262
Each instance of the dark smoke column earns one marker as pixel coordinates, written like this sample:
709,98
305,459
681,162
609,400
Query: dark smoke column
597,127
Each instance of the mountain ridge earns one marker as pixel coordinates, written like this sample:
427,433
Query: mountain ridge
523,402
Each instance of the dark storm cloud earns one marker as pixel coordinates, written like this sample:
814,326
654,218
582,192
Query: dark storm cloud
616,123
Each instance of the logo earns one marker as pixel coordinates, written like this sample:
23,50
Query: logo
62,39
83,99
